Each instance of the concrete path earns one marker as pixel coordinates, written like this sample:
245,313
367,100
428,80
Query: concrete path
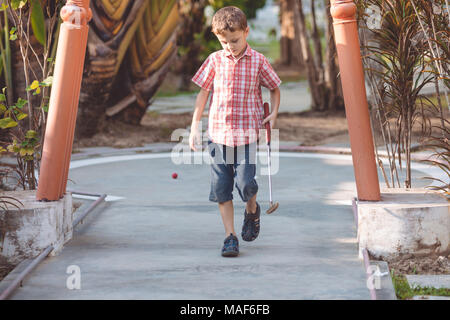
163,239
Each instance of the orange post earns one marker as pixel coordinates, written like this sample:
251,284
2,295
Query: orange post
356,107
64,100
85,30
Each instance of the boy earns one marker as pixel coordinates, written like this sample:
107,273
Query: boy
235,75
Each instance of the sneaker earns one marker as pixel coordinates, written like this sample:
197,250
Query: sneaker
230,246
250,228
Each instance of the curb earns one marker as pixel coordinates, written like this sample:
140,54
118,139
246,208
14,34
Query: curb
379,281
92,152
24,269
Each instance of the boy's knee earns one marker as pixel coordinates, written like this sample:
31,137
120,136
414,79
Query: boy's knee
221,192
251,188
247,188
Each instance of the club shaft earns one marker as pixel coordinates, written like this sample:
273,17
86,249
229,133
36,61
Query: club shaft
270,178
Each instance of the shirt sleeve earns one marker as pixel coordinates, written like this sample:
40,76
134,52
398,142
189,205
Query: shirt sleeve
204,77
267,76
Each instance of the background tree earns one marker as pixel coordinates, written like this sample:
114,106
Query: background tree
248,6
191,37
195,38
132,45
326,91
290,51
130,48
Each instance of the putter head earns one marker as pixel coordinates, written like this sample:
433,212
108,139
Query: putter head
272,208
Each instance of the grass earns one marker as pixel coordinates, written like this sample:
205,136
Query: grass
168,94
434,100
153,114
293,78
404,291
269,49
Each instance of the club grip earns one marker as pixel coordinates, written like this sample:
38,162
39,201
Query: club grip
267,124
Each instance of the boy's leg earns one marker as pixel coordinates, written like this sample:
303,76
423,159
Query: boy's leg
251,205
222,185
227,213
248,188
250,154
245,172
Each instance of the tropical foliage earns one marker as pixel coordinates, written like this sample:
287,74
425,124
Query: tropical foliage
248,6
406,50
130,48
28,46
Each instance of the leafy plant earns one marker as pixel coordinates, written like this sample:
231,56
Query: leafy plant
24,145
396,59
434,20
7,200
23,122
440,144
4,199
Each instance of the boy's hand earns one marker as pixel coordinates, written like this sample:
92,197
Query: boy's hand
272,118
194,139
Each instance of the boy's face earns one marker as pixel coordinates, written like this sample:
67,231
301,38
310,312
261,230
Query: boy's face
234,42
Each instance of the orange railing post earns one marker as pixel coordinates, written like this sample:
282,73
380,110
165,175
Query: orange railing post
356,107
64,99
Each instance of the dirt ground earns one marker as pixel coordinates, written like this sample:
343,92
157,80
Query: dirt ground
410,264
308,128
154,128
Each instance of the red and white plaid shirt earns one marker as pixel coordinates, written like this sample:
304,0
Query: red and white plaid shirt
236,110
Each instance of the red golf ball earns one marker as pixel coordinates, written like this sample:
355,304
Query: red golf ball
174,175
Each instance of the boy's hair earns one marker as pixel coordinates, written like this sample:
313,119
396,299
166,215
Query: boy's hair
229,18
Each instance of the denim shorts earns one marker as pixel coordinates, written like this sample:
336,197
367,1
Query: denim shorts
229,165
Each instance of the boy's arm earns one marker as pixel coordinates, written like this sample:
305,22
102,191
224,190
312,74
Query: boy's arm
275,105
275,95
200,104
270,80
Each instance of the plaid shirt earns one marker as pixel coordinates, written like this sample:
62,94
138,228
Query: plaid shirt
236,110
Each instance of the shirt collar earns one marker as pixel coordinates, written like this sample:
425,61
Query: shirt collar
248,52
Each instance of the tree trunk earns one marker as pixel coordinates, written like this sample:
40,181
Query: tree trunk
291,54
311,70
335,99
316,39
326,92
192,22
